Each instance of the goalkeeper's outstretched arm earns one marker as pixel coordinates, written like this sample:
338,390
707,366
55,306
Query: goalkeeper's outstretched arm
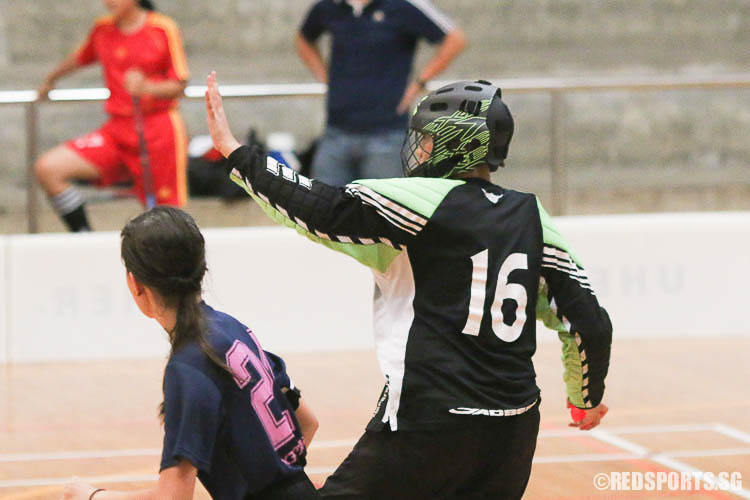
355,220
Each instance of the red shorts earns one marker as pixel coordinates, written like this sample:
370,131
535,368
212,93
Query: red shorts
113,149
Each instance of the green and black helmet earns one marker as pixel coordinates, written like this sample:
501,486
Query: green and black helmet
464,125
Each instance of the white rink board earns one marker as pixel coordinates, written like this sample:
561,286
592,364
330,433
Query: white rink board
296,295
665,275
70,301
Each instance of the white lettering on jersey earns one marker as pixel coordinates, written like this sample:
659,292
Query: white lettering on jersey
461,410
272,166
287,173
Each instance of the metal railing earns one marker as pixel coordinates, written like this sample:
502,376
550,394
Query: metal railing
556,88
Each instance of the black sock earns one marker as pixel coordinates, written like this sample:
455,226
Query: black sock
76,220
70,206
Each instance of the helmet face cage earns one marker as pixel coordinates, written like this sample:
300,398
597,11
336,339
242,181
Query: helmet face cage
469,126
412,151
460,143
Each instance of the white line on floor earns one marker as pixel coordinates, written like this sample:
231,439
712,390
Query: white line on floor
610,436
732,432
658,429
662,459
724,452
78,455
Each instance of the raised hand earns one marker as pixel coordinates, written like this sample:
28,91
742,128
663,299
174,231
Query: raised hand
218,126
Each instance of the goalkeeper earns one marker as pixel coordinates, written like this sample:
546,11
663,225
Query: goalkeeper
463,267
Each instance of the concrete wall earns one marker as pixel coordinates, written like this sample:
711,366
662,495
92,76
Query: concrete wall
509,38
4,46
649,138
65,296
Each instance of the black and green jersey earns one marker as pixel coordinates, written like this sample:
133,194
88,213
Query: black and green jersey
463,268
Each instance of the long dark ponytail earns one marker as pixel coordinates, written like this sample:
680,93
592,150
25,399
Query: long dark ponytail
165,250
146,4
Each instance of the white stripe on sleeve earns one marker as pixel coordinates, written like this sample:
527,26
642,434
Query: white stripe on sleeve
443,21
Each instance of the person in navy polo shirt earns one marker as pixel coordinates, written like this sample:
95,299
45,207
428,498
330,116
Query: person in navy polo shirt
369,92
231,414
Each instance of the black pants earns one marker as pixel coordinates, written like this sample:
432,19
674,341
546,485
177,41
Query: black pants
481,460
297,488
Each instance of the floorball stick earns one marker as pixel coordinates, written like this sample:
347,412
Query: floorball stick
148,179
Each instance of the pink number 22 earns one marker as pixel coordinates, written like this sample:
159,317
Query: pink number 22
280,431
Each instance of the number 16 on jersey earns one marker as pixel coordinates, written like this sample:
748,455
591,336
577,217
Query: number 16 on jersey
504,290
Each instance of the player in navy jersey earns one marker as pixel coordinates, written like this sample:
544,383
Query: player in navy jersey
463,268
232,416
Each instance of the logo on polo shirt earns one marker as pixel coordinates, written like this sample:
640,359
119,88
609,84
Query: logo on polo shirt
378,16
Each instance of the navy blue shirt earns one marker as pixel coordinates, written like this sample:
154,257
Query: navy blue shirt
371,57
238,430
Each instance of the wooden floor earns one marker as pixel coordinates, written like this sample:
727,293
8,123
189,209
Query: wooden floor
675,405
